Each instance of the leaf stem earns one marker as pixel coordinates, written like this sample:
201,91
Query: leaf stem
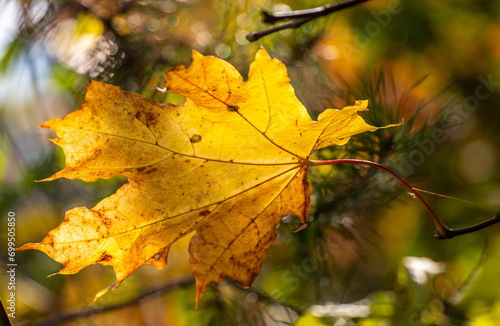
442,231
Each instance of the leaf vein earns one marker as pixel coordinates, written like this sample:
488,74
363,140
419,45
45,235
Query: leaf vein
190,211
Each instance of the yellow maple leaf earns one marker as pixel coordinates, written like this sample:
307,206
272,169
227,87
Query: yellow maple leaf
229,163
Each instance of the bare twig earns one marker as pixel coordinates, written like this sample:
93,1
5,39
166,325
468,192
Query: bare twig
469,229
187,281
55,320
265,298
298,17
442,231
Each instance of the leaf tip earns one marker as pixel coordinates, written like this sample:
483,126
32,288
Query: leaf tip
262,54
196,55
50,124
363,104
51,178
103,291
199,293
302,227
93,83
99,294
26,247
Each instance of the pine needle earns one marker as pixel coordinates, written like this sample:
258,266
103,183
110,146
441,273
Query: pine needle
448,197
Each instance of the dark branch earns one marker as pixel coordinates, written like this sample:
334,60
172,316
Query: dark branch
58,319
265,298
298,17
469,229
271,18
55,320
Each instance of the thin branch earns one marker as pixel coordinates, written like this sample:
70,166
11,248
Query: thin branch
442,231
271,18
298,17
187,281
55,320
263,297
469,229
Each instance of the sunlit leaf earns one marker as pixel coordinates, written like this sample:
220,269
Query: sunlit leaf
229,163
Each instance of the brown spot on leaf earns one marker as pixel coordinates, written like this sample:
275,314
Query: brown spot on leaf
104,257
232,108
195,138
205,212
146,170
151,170
149,118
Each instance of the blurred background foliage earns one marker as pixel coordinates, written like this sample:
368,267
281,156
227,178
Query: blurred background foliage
368,256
